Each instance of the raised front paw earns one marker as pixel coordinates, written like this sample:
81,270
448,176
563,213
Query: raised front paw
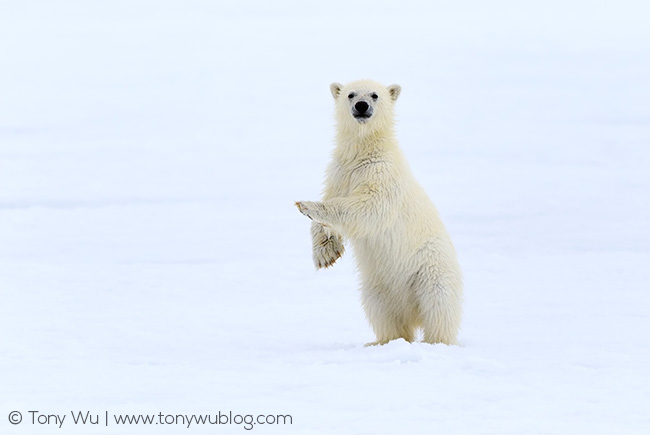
308,208
327,250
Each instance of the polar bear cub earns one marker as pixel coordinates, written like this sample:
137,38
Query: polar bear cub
410,277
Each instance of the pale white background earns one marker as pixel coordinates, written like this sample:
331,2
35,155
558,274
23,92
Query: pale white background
151,258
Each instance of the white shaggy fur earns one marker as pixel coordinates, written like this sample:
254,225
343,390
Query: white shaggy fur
409,272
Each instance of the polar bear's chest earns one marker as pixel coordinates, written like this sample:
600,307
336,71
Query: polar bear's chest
343,179
340,181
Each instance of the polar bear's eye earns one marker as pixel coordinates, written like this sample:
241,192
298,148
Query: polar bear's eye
352,95
374,96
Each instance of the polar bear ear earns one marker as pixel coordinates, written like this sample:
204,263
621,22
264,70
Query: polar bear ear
335,89
394,91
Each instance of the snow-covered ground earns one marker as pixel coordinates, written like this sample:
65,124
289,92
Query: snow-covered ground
152,261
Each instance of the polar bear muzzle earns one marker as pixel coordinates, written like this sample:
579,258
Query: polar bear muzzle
362,111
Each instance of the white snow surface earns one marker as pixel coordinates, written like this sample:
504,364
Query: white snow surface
152,260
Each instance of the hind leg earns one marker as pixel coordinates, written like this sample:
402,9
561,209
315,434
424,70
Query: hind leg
387,316
440,301
438,288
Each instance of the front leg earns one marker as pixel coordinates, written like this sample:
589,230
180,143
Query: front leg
313,210
327,245
352,216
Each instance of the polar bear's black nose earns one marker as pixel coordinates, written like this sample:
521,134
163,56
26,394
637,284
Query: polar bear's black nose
361,106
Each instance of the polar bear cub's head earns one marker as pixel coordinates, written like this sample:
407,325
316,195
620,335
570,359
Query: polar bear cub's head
365,102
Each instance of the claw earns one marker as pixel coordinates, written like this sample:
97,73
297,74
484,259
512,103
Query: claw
302,209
